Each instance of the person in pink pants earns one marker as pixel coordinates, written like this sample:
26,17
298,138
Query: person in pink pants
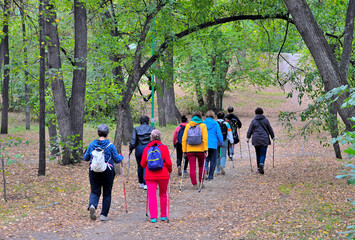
154,178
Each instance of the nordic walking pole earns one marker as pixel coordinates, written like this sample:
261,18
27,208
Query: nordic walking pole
146,207
240,144
129,160
182,175
251,166
124,188
273,153
168,212
203,174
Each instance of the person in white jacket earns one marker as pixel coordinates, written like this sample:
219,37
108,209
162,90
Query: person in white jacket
222,150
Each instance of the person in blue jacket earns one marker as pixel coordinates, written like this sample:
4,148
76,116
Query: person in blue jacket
103,179
215,139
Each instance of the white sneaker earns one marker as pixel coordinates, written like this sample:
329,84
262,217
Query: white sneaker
103,218
145,187
141,185
92,212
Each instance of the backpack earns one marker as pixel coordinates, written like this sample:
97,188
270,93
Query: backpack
98,163
154,158
234,126
180,133
224,129
194,135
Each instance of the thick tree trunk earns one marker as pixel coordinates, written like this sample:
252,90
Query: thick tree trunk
58,87
6,81
79,75
42,101
161,103
25,62
322,54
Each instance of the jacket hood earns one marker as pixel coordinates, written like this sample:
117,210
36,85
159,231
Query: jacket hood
154,142
210,123
101,143
259,117
195,120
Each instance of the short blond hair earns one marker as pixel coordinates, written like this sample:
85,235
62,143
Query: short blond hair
155,135
210,114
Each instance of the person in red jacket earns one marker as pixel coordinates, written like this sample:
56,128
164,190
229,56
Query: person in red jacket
159,177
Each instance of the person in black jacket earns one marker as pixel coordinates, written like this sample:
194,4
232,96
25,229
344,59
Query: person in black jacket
235,123
140,139
261,129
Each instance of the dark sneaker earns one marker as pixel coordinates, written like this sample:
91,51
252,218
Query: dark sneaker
179,171
92,212
261,169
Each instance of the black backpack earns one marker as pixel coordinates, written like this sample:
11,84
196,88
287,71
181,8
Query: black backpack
234,126
180,133
224,129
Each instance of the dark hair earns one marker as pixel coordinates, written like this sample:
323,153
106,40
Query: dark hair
259,111
220,115
230,109
197,114
183,119
144,119
103,130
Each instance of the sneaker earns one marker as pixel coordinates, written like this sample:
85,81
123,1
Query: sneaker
195,187
222,170
185,172
261,169
103,218
92,212
163,218
179,171
145,187
141,185
153,220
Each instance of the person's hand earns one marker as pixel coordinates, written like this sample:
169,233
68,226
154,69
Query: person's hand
274,139
248,140
206,153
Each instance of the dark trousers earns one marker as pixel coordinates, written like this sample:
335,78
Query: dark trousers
260,155
140,170
179,154
211,159
102,180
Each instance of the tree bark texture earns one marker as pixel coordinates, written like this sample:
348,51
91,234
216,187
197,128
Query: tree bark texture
6,81
334,130
322,54
79,74
57,84
160,98
42,100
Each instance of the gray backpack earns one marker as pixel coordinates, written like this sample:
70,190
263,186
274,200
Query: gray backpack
194,135
98,163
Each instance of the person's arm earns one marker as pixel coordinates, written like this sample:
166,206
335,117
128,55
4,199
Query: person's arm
204,137
229,133
271,131
184,139
239,123
144,157
250,130
117,158
175,135
87,155
167,159
219,135
133,142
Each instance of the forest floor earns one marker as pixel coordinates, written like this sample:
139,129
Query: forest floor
299,198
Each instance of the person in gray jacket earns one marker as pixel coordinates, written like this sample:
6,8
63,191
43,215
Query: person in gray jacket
261,129
140,139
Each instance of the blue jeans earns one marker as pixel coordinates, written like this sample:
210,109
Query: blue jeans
260,155
222,155
212,156
102,180
140,170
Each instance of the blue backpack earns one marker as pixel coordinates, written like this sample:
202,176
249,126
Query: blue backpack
180,134
155,159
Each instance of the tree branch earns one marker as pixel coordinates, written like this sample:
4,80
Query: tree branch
278,55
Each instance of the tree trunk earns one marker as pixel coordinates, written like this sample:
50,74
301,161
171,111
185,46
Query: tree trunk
322,54
79,76
160,98
5,86
334,132
169,92
24,40
42,106
58,87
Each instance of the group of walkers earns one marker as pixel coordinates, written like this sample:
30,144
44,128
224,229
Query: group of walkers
199,143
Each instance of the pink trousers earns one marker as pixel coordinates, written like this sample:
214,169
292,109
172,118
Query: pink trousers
152,197
192,161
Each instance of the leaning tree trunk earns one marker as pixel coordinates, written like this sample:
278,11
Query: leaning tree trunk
322,54
6,81
79,76
160,98
58,87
